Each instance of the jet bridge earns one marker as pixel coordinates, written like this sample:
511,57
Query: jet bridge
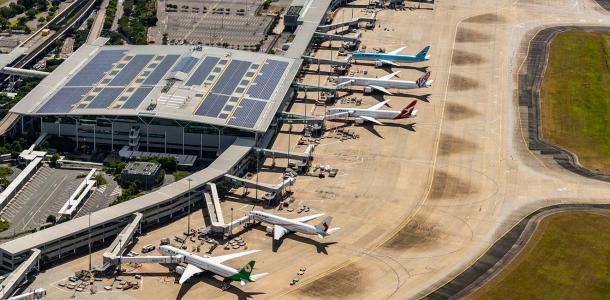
336,37
325,61
270,188
121,242
304,157
14,279
352,22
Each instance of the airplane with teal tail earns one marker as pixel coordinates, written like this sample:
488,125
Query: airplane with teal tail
391,58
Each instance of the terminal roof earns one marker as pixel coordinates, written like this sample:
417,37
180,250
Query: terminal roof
216,86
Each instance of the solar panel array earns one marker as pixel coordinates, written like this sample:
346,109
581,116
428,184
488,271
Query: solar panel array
233,91
247,113
231,77
268,79
212,105
137,97
202,72
105,97
186,64
131,70
96,68
64,99
161,69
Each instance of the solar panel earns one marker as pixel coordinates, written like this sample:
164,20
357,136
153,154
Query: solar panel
267,80
95,70
247,113
212,105
202,71
161,69
105,98
131,70
64,99
185,64
137,97
231,77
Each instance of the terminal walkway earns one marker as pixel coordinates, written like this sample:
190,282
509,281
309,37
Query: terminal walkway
14,279
121,242
352,22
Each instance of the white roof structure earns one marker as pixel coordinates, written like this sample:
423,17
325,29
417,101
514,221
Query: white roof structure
208,85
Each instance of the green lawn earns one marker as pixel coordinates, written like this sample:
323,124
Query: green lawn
567,258
576,97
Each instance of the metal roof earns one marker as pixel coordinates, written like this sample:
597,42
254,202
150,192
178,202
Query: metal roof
208,85
222,165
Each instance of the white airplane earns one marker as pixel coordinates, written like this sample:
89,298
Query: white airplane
196,264
373,113
383,83
282,226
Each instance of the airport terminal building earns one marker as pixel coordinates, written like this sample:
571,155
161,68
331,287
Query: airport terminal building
166,99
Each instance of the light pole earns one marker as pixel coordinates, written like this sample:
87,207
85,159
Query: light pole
89,233
188,225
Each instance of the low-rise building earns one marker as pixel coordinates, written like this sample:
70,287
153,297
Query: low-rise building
145,173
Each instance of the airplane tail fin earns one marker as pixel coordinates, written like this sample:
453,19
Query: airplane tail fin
422,81
408,112
422,54
325,225
244,273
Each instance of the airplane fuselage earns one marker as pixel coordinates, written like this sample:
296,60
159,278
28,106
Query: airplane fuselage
386,83
388,57
284,222
198,261
359,112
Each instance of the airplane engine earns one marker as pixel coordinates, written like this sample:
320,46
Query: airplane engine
368,90
378,64
269,229
179,270
359,121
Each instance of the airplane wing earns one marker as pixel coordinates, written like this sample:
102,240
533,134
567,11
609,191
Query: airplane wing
378,105
279,232
189,271
397,50
389,76
336,116
381,89
307,218
222,258
371,119
342,84
388,62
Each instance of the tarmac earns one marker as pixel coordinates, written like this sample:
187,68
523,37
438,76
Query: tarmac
418,200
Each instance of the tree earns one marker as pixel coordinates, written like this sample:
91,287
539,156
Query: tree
31,13
54,158
51,219
4,182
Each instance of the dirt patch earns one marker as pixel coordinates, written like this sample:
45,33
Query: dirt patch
456,112
345,283
463,58
418,233
450,144
465,35
462,83
445,185
485,19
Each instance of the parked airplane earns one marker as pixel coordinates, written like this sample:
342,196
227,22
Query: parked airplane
382,83
282,226
196,264
391,58
373,113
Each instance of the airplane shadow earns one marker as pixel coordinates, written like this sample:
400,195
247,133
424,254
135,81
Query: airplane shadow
211,280
381,97
371,128
320,246
391,69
